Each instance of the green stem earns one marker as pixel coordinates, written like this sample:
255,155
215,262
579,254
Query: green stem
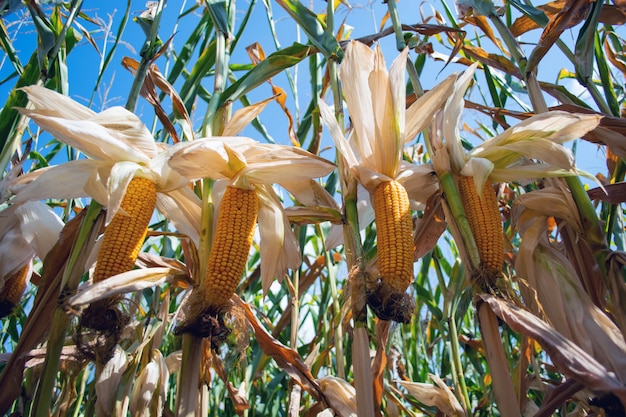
332,279
149,50
450,299
43,397
589,218
397,24
451,195
60,320
221,66
295,309
81,392
187,396
74,10
458,366
613,214
597,97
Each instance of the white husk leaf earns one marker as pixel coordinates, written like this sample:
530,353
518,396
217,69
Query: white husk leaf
109,381
130,281
340,395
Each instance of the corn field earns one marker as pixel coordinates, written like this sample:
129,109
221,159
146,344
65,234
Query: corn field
323,208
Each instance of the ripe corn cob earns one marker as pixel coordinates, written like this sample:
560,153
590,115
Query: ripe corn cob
484,219
231,245
12,291
394,235
125,234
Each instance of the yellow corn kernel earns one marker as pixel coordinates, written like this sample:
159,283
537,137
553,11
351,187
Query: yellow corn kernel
231,245
484,219
124,236
11,293
394,235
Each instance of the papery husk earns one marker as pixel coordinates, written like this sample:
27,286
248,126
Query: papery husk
148,395
109,381
362,372
438,395
340,395
554,289
569,358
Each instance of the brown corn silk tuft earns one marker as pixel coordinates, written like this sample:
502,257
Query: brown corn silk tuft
12,291
485,221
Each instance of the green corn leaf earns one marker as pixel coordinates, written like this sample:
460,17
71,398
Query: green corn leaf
17,98
217,10
7,46
585,45
272,65
538,16
324,41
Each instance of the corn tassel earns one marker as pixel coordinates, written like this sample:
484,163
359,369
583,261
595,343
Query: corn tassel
483,217
11,293
394,235
124,236
231,245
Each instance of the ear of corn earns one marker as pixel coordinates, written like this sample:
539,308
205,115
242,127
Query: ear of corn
12,291
394,235
483,216
231,245
125,234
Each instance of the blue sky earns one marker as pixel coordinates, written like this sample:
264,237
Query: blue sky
363,17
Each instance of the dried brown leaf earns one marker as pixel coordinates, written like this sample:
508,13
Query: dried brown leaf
155,79
281,99
566,356
499,62
286,358
430,227
237,396
340,395
611,14
572,13
380,362
612,57
482,23
38,321
255,53
438,395
612,193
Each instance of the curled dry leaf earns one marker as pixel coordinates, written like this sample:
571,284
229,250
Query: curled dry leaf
109,381
155,79
572,12
340,395
149,391
610,14
430,227
38,322
438,395
286,358
560,294
380,360
566,356
237,396
612,193
135,280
